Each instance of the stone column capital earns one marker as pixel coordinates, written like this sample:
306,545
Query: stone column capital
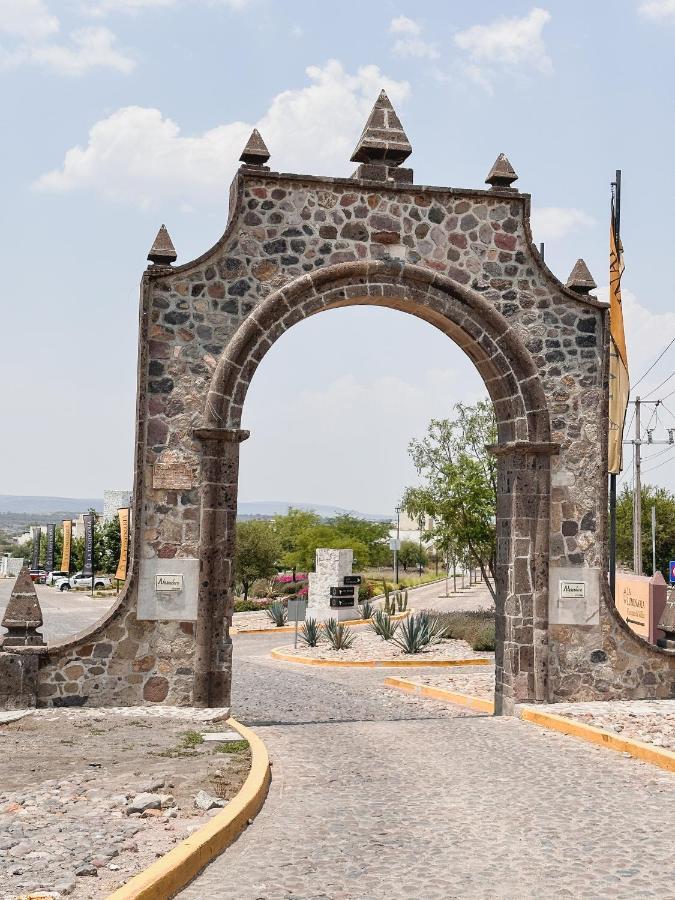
224,435
524,448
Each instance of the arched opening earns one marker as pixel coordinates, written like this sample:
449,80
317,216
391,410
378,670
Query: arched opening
512,382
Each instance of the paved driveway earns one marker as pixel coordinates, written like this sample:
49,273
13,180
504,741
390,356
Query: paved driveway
64,613
379,795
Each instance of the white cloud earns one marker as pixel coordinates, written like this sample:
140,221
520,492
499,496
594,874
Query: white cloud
31,31
138,156
507,44
410,41
550,223
657,10
29,20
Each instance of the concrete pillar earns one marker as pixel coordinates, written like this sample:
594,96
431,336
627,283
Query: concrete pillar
217,536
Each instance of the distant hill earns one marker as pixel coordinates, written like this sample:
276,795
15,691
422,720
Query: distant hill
266,508
15,503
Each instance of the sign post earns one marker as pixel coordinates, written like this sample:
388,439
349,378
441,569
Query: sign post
296,612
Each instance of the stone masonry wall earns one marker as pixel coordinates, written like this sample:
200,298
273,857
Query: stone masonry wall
281,229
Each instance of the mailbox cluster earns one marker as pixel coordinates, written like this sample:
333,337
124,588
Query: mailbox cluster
345,594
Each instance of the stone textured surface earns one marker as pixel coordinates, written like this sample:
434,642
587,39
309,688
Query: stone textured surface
435,803
461,259
651,721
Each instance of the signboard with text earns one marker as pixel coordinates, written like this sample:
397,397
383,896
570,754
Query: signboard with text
88,567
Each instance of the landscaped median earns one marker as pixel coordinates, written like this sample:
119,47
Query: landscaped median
481,704
281,629
178,867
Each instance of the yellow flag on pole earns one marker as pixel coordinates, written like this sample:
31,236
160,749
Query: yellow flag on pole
619,385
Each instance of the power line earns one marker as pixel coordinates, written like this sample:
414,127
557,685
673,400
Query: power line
658,387
658,466
661,354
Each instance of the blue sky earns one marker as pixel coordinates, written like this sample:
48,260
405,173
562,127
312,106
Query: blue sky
119,115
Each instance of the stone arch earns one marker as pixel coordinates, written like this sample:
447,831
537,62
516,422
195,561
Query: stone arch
513,383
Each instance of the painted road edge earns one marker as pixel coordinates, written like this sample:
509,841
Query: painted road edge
658,756
278,653
179,866
425,690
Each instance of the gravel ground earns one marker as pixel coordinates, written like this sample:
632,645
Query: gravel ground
70,815
479,681
367,645
651,721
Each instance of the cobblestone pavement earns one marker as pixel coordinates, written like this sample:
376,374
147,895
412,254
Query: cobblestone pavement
478,681
64,613
378,794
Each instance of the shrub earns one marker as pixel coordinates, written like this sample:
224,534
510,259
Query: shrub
250,605
401,600
366,608
277,613
382,624
418,632
476,627
338,635
310,632
366,591
262,587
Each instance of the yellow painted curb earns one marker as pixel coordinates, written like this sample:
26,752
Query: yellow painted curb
658,756
280,629
179,866
279,653
425,690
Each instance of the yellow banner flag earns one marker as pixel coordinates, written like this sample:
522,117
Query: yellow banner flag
121,572
67,541
619,384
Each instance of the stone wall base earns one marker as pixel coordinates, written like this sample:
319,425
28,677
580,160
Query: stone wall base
18,680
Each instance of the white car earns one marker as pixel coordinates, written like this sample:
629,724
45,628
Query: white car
53,577
79,580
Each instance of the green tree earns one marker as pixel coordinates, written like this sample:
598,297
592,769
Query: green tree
328,536
257,553
664,501
373,535
411,555
459,484
288,528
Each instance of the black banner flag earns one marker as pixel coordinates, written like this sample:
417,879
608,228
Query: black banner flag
88,567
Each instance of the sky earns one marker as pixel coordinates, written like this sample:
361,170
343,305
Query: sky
119,115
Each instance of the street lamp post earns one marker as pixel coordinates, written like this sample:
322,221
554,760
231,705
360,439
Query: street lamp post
420,525
398,532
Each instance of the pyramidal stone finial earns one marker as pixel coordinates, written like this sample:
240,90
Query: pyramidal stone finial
23,615
580,280
502,174
162,252
383,140
255,152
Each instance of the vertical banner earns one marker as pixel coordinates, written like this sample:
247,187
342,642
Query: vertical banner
67,541
619,384
49,561
37,537
121,573
88,567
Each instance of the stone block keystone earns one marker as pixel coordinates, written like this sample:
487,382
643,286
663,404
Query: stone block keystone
162,252
383,140
580,280
23,615
255,153
502,174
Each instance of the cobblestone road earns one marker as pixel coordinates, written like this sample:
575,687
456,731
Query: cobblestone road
379,795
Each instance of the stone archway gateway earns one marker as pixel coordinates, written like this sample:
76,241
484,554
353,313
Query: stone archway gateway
464,261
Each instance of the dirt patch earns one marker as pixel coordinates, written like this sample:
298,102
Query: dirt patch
71,782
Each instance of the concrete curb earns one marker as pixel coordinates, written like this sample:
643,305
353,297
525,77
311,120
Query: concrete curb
424,690
281,629
278,653
173,871
665,759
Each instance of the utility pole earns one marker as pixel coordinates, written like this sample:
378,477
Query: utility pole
637,496
398,532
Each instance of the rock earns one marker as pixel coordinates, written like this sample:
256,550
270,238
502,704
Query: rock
166,800
65,886
149,813
153,784
87,869
206,801
221,736
144,801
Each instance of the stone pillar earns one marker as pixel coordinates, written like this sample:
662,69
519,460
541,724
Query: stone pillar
523,500
23,615
217,535
329,571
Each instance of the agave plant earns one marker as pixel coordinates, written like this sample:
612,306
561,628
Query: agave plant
338,635
366,609
277,613
418,632
310,632
382,624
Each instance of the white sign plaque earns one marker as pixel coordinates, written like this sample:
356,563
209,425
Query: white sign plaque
168,582
572,590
